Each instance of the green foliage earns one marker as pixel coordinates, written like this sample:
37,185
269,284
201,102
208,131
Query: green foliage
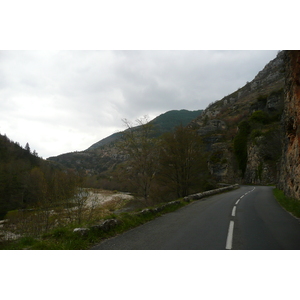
290,204
13,214
22,243
163,123
255,133
58,233
27,181
259,124
170,120
260,116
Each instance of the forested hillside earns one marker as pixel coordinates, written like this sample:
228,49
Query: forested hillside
27,181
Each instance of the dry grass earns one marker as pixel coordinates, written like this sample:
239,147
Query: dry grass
97,205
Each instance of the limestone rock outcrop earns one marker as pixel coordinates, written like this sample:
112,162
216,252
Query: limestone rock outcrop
289,175
218,126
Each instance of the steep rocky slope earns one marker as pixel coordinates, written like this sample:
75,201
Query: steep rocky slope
289,175
258,107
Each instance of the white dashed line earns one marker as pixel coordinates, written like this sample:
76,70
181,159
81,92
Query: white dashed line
230,236
233,211
231,224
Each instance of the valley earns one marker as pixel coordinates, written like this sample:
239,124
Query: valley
249,137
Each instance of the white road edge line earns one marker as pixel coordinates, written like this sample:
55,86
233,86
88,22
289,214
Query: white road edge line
237,202
230,236
233,211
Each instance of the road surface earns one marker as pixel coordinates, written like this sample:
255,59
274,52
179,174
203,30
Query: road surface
248,218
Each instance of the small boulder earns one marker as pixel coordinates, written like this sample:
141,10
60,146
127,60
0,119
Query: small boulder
81,231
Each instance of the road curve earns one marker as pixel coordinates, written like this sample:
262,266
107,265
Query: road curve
247,218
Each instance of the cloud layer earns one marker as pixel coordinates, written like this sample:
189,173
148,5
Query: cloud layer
62,101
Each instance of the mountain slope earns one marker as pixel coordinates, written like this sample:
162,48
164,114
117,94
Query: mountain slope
242,131
163,123
26,179
15,165
103,155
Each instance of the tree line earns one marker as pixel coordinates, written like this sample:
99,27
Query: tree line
27,181
159,169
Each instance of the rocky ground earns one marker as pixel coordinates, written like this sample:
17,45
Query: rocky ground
99,197
110,200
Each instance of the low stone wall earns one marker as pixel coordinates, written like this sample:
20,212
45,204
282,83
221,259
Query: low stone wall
210,193
111,223
160,208
105,226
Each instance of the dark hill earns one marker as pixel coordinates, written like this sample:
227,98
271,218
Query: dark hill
165,122
26,179
103,155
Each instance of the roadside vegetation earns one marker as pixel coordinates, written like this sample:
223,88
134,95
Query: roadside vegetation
289,204
260,129
162,169
94,231
64,237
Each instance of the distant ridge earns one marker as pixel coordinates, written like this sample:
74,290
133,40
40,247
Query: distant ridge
104,155
163,123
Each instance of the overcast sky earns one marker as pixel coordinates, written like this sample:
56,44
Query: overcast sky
63,101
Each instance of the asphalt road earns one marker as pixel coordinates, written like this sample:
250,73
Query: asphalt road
248,218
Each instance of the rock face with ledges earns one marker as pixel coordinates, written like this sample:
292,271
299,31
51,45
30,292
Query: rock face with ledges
289,175
218,126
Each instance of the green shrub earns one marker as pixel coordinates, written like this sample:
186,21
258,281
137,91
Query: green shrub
288,203
255,133
259,116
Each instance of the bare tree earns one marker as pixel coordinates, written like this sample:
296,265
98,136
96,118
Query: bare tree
182,160
141,150
80,200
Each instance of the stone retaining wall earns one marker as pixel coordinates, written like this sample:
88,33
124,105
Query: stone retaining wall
111,223
210,193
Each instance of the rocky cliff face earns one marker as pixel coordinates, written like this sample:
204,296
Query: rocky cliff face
218,125
289,176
